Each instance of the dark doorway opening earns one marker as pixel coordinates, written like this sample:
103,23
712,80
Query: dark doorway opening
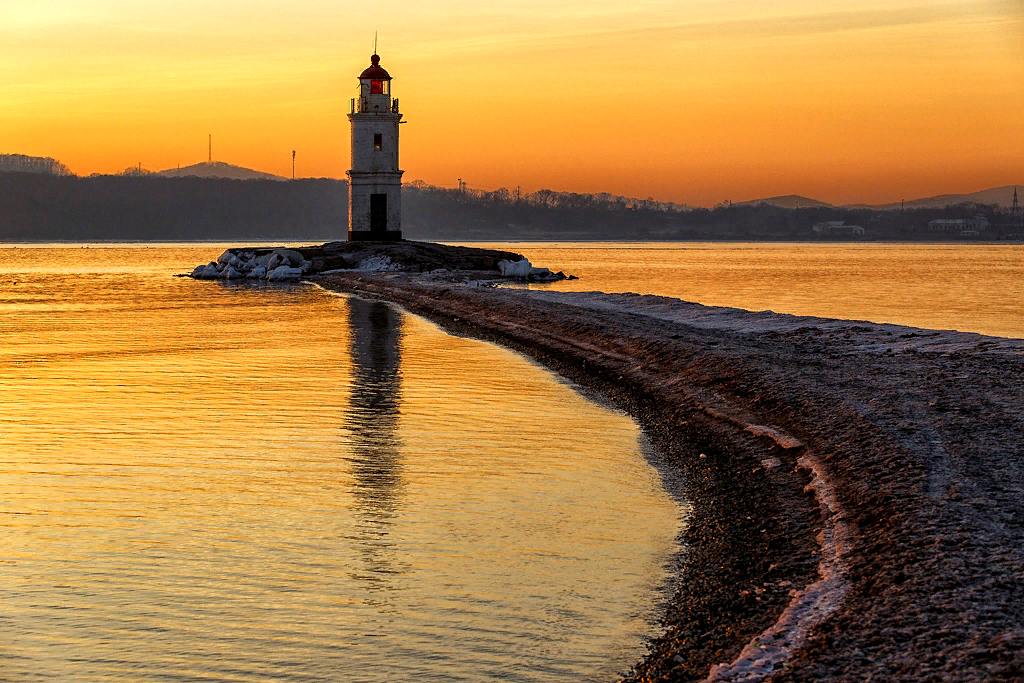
378,212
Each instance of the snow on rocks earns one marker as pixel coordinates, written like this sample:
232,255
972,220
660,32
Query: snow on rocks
293,257
284,274
514,268
526,271
283,265
376,264
209,272
280,265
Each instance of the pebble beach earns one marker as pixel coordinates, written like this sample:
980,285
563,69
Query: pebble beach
856,487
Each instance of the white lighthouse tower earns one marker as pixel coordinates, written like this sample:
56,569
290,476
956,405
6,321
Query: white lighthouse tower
374,181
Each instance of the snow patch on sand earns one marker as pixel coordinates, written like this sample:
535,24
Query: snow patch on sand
809,607
784,440
864,337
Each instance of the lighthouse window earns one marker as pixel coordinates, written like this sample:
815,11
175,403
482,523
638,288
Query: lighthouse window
378,140
378,88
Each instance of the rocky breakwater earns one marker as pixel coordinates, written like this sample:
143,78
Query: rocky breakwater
293,264
278,265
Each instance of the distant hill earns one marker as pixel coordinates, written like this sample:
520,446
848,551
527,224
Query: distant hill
21,163
789,201
1003,196
146,206
218,169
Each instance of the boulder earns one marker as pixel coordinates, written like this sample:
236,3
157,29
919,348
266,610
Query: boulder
515,268
318,264
275,261
257,273
293,257
230,273
211,272
225,257
285,274
264,260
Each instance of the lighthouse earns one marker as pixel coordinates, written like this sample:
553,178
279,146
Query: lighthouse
374,181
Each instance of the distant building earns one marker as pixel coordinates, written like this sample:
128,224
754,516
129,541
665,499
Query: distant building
966,227
375,181
833,228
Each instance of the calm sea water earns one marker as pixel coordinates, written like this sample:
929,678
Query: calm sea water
972,288
202,481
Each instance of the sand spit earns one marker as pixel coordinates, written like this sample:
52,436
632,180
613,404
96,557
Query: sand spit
856,488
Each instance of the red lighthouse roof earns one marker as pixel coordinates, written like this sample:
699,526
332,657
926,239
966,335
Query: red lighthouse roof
375,72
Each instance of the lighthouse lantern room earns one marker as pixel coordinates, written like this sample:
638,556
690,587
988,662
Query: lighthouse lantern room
374,181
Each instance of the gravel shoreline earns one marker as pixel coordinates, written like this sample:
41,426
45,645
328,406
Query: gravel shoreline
878,466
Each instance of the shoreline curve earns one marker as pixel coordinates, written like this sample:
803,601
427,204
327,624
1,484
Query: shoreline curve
827,472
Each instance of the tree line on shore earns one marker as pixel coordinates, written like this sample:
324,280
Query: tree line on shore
59,207
444,213
36,207
21,163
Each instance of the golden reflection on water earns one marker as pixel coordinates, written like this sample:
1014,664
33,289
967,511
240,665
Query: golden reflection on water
229,482
972,288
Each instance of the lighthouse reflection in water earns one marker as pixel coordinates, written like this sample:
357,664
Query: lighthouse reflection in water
231,482
494,510
372,425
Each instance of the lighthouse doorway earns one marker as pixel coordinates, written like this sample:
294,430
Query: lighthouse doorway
378,212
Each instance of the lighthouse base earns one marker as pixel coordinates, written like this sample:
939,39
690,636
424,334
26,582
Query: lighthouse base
374,235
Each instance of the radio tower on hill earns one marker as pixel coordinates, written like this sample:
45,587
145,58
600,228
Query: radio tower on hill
1016,206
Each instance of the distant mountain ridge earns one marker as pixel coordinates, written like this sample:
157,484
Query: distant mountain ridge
1002,196
218,169
789,201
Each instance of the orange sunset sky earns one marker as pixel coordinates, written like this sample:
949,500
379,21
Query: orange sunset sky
685,101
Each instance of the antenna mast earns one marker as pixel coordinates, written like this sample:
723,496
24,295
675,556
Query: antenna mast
210,158
293,164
